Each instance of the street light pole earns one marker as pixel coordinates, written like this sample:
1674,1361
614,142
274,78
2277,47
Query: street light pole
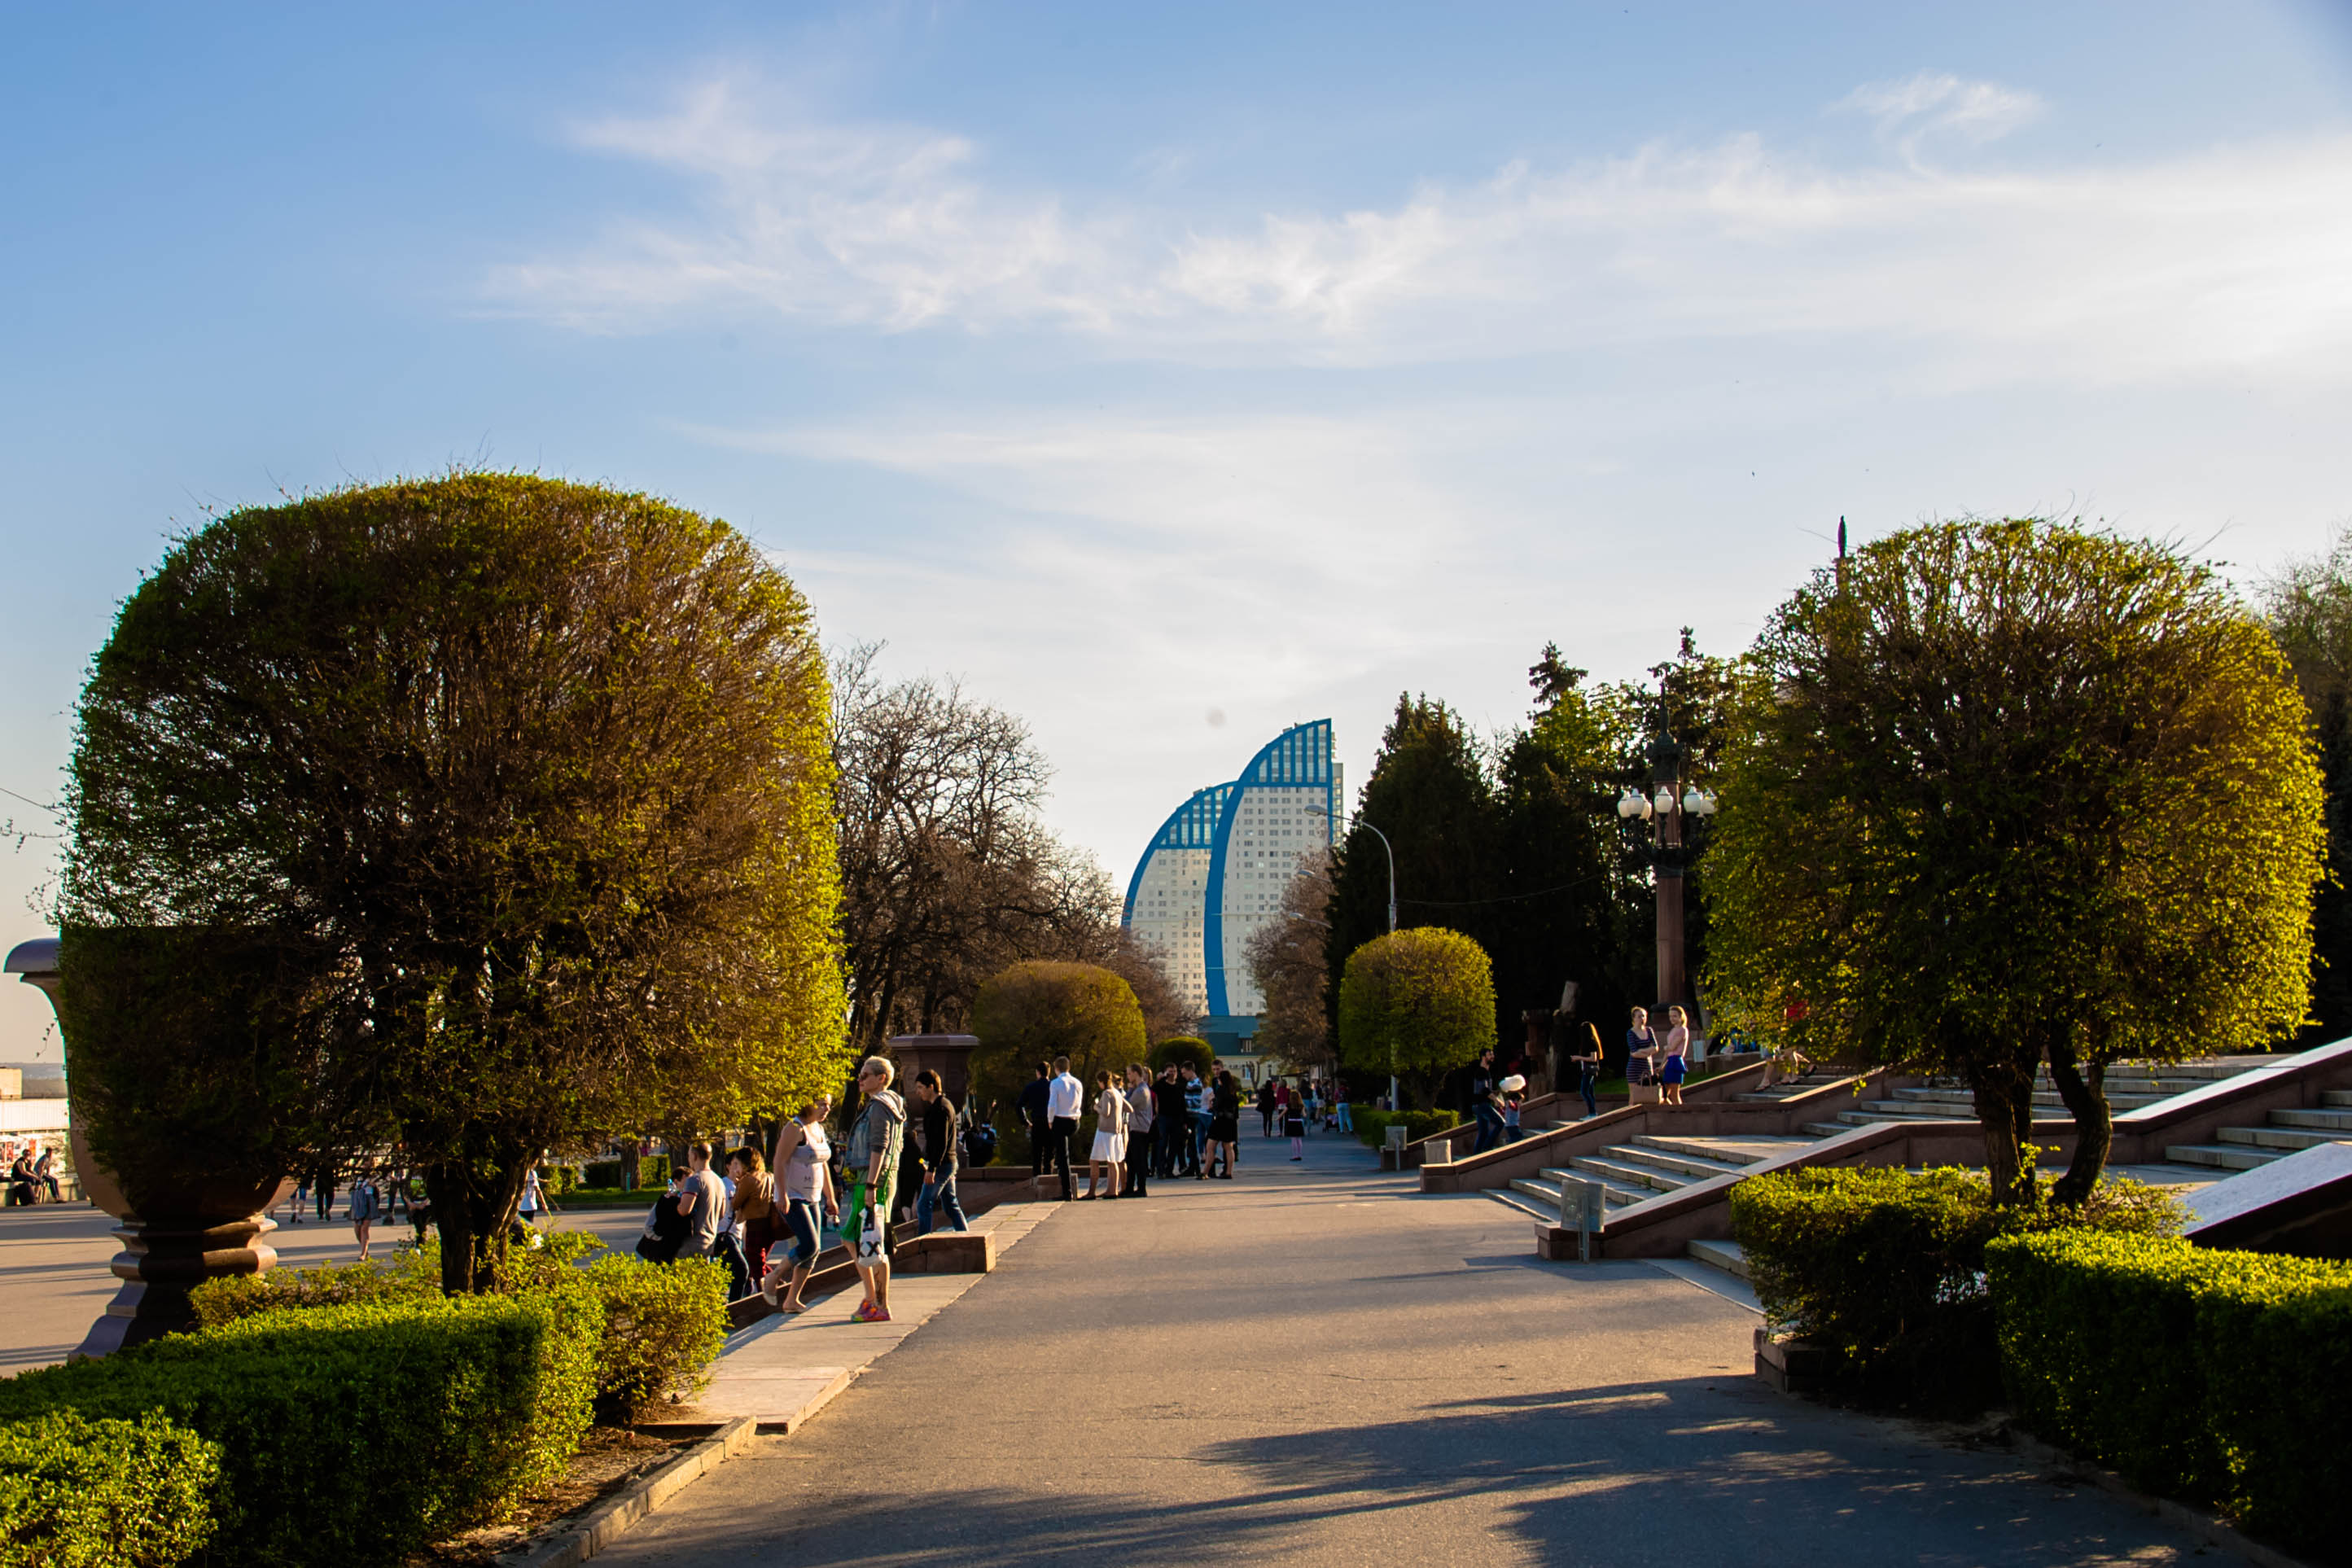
1672,802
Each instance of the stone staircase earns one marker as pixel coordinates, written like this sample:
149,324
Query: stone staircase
2127,1089
1642,1167
2237,1149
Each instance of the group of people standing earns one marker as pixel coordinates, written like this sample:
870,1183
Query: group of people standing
1177,1124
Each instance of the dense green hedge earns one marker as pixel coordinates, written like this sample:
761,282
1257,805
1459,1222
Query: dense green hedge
1886,1268
77,1493
356,1434
2215,1376
1372,1126
661,1326
652,1171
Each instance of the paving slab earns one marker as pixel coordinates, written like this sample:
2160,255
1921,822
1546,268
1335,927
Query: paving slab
1314,1364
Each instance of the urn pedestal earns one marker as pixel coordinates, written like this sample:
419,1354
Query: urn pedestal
195,1226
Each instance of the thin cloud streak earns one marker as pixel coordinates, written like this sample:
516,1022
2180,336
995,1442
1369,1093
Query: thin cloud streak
2214,264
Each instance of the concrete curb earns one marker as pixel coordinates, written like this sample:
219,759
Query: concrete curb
2181,1516
609,1520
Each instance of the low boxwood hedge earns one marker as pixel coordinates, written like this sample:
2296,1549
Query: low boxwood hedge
661,1325
355,1433
1372,1126
1886,1268
2215,1376
77,1493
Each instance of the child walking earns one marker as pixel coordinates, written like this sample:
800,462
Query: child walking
1294,1126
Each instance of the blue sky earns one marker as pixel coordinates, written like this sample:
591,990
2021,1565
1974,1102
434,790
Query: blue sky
1173,373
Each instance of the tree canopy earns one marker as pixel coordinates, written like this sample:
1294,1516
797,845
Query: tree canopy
2015,789
1286,962
1418,1003
529,779
2309,607
1036,1011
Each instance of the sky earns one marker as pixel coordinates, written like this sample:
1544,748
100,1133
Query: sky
1170,374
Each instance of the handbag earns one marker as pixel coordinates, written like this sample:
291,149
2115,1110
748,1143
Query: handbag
872,1248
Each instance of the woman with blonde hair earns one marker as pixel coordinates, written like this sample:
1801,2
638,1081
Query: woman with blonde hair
1109,1155
1677,1065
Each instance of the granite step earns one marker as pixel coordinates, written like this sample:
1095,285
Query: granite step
1610,1165
2338,1121
2287,1140
1724,1255
2224,1156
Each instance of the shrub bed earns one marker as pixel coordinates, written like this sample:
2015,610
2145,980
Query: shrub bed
77,1493
2210,1375
661,1326
1886,1268
357,1433
1372,1126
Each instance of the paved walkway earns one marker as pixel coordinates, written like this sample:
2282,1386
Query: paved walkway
1309,1365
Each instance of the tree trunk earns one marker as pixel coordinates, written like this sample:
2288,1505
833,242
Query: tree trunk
2085,1094
474,1207
2004,1106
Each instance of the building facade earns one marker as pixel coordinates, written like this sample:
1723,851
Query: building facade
1216,871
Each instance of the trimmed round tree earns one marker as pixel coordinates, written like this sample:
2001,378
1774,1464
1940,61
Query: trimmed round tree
528,781
1178,1049
2015,792
1417,1004
1035,1011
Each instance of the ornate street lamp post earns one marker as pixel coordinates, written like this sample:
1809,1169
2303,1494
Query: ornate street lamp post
1664,811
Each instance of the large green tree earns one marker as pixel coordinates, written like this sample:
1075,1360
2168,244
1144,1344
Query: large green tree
2017,791
2309,607
1418,1003
533,778
1035,1011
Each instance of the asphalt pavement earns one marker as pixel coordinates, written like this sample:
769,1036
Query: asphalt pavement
1315,1364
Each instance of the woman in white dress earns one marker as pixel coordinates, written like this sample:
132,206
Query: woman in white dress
1110,1138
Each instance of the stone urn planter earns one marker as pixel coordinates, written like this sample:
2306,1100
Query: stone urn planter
173,1129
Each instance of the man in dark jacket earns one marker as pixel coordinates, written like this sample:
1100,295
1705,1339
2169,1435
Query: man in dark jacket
1168,1123
939,1156
1032,1106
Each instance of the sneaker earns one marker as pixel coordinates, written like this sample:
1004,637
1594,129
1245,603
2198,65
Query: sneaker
867,1313
1296,1158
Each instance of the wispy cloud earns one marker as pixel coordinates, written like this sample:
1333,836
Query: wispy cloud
1938,104
2229,259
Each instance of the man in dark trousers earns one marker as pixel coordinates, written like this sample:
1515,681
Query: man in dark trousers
1481,1107
1032,1106
1064,1098
1169,1127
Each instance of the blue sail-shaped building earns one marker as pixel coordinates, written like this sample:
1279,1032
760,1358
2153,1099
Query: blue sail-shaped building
1216,870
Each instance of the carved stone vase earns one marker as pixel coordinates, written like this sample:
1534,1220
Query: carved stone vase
197,1214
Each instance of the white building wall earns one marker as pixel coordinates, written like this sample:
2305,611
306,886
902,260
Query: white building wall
1274,824
1168,921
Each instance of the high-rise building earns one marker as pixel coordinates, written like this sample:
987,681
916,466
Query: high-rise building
1216,870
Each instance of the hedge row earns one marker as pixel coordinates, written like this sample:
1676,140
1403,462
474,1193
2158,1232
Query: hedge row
1372,1126
660,1327
77,1493
1886,1268
2215,1376
352,1434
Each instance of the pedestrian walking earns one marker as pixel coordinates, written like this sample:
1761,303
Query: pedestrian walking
365,1206
1340,1120
805,1170
1269,1100
1107,1159
1064,1096
1677,1065
1294,1127
874,1147
1483,1107
534,1202
939,1156
301,1200
1588,1074
1225,1124
1142,1116
1035,1106
322,1190
701,1202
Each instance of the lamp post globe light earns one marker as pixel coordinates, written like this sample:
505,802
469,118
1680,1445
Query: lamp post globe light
1665,810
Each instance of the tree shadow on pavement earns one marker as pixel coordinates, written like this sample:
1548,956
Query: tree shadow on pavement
1672,1474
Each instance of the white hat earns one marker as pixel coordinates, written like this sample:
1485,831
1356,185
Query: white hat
1513,1084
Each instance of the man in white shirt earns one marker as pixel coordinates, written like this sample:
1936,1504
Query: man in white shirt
1063,1095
